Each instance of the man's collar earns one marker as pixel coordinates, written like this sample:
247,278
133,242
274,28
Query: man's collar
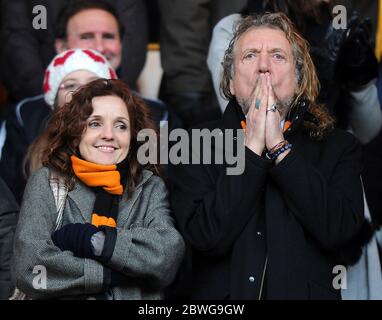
233,115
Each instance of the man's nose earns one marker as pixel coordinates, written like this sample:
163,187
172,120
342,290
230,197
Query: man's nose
264,63
99,44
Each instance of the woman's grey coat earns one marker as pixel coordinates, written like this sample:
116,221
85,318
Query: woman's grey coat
148,248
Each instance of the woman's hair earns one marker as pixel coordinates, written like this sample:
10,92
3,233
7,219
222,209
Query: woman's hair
307,80
67,124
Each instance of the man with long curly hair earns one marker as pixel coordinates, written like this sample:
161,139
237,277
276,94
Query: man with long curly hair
278,230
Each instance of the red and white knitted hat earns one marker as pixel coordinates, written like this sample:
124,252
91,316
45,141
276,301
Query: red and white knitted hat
73,60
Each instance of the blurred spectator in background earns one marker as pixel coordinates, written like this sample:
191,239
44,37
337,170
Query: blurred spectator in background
28,51
186,27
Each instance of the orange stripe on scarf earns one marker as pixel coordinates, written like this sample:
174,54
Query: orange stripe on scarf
97,175
287,124
103,221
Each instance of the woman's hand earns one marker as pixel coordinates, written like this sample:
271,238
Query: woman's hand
76,237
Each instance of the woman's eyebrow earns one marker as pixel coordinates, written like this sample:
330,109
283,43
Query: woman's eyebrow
122,118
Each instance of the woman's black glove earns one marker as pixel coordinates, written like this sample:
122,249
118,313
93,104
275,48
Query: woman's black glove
76,238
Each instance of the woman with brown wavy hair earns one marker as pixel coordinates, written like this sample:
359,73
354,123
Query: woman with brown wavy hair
116,239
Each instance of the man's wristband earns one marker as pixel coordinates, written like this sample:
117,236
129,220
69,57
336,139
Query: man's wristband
278,149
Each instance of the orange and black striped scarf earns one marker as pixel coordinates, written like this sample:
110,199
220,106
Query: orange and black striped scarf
108,182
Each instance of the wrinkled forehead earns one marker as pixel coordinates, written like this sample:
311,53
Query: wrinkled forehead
263,37
93,20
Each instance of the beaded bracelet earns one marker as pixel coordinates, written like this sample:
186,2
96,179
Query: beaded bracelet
270,152
274,155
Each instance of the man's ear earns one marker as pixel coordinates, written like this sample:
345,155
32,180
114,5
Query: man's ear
60,45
